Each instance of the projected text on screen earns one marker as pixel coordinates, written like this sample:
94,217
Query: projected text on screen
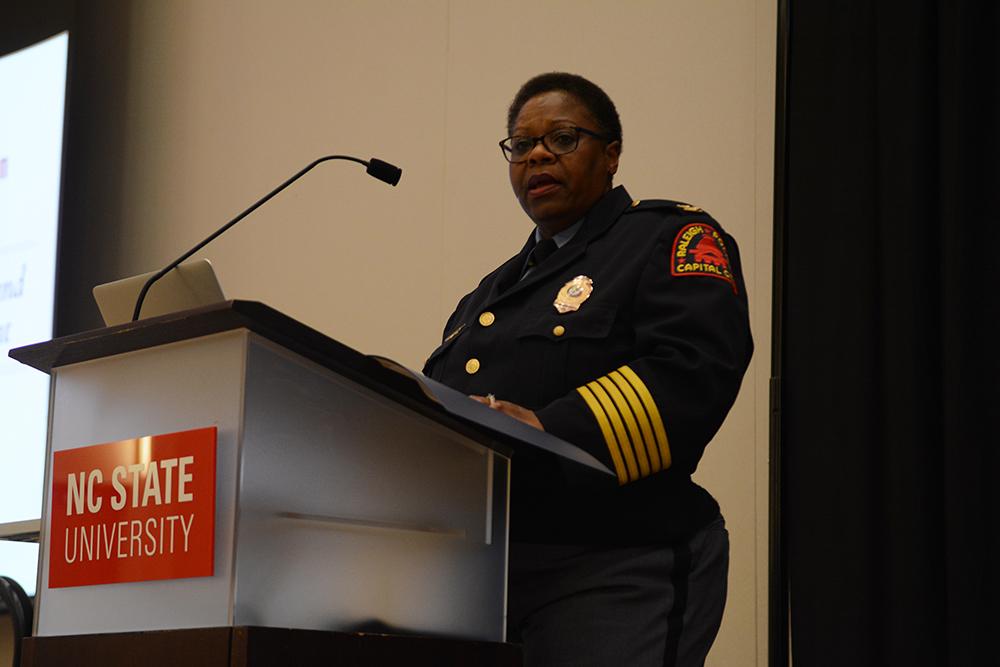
33,88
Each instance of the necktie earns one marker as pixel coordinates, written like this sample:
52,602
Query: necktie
542,251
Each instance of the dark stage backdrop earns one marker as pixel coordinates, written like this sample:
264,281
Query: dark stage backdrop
889,394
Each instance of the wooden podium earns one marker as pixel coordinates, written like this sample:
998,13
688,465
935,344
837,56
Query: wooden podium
353,515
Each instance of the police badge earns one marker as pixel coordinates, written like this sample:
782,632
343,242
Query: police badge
573,293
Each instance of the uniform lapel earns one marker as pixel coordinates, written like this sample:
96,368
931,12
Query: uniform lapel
602,216
507,275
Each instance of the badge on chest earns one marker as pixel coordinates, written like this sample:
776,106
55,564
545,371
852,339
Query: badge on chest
573,294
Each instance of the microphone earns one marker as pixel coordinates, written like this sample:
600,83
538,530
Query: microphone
383,171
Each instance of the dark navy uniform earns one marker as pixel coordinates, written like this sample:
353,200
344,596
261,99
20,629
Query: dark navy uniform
640,375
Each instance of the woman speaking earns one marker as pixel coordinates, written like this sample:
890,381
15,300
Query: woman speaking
621,326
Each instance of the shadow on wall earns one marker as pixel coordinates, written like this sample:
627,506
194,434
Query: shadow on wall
93,170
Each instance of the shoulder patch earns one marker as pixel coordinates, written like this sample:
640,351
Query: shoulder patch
699,250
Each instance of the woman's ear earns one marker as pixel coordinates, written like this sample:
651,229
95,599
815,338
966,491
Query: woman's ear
613,151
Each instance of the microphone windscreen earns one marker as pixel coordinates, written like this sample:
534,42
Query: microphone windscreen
383,171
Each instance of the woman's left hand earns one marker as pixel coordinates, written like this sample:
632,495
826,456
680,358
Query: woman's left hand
511,410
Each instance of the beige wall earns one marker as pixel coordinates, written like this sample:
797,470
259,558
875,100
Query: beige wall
225,99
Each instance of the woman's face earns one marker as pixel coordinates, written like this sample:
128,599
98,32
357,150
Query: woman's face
557,190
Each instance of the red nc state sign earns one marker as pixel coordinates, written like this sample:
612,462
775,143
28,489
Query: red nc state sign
134,510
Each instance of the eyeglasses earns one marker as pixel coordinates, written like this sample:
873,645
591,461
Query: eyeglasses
558,142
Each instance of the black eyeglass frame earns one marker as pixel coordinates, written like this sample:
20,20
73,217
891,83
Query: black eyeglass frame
506,150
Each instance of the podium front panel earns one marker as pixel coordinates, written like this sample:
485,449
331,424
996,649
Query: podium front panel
358,514
163,389
336,508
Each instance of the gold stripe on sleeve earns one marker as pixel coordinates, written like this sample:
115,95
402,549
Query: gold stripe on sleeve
605,426
654,413
640,416
616,422
633,429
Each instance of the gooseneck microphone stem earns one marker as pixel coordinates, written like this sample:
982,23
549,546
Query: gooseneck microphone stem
377,168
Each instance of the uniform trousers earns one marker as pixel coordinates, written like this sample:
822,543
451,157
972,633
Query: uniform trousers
599,606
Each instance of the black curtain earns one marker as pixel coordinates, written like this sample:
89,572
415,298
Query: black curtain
889,202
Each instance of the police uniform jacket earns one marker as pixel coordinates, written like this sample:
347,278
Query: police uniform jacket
640,375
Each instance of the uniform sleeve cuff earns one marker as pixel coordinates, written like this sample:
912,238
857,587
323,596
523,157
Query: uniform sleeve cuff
615,419
569,418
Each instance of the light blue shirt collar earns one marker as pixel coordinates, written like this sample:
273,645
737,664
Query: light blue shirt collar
563,237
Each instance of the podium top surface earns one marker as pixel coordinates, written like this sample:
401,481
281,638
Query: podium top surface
430,399
187,324
268,323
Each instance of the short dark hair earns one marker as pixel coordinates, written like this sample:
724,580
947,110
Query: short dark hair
587,92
